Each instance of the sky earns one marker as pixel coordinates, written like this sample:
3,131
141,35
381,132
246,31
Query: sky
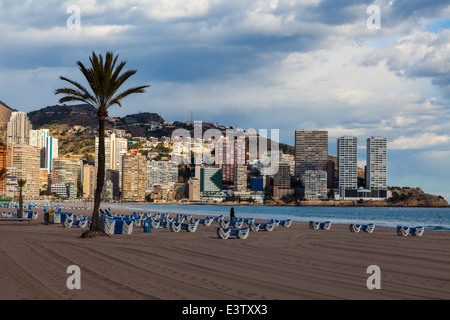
289,65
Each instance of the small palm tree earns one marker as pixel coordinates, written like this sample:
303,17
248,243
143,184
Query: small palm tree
104,79
21,183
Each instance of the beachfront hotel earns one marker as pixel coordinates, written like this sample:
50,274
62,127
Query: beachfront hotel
240,178
89,180
160,173
315,183
65,170
227,155
134,180
311,151
347,157
376,171
210,181
26,159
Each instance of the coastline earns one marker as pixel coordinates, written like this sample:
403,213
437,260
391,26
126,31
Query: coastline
294,263
349,203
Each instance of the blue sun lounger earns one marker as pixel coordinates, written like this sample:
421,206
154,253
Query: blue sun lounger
362,227
230,224
177,227
257,226
326,225
225,233
283,223
414,231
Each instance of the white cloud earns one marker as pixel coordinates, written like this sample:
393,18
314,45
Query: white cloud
420,141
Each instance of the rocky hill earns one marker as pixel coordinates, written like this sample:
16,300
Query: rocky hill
82,114
415,197
5,113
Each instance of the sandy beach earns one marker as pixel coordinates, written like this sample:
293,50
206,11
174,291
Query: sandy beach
295,263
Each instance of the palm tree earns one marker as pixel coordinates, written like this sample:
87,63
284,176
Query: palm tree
21,183
104,79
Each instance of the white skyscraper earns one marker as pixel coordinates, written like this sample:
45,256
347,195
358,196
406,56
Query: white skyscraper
18,128
376,171
51,152
38,137
347,155
115,149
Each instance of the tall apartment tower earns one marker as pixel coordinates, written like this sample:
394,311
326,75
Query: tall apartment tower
376,172
240,183
347,157
89,181
311,151
315,182
193,189
50,153
210,180
228,154
134,176
18,128
38,137
65,170
49,147
26,159
115,149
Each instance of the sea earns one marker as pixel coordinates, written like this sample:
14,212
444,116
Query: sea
429,218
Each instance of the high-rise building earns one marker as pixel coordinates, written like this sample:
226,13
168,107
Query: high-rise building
283,176
115,149
161,173
49,146
240,183
210,181
228,153
89,181
134,179
38,137
347,157
193,189
65,170
311,151
376,172
18,128
257,183
315,182
50,152
113,179
11,187
26,159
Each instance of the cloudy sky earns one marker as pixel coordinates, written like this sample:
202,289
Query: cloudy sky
261,64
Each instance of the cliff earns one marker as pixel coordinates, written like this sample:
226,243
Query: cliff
414,197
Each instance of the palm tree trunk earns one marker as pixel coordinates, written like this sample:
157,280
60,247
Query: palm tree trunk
95,225
20,204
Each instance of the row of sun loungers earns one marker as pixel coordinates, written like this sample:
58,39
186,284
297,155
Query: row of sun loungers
225,233
362,227
414,231
26,215
326,225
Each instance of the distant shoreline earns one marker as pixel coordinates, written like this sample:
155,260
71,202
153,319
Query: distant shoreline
302,204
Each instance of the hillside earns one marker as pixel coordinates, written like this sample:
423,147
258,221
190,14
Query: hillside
415,197
82,114
5,114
